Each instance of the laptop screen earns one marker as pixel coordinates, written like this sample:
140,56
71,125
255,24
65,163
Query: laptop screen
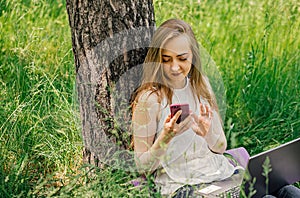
274,168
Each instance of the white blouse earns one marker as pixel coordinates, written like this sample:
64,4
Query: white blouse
188,160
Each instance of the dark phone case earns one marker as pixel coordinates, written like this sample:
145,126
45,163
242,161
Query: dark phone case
185,111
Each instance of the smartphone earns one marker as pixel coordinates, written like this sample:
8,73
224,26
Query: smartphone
185,111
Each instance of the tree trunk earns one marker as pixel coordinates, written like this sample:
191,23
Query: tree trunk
110,40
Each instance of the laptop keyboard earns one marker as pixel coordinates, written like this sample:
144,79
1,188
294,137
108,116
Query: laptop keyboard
232,193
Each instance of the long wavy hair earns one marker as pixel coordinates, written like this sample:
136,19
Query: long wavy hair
153,78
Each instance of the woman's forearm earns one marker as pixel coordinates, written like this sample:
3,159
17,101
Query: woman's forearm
149,161
215,138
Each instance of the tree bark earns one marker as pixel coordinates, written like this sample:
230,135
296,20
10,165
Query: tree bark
110,40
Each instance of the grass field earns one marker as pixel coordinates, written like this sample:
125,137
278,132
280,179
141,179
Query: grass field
255,44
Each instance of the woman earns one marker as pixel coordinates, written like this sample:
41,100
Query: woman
189,152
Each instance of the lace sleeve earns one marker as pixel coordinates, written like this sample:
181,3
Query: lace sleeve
216,138
144,122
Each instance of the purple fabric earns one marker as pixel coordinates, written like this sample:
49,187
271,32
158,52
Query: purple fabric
138,181
240,154
135,182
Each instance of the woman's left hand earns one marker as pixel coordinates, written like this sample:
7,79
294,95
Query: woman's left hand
202,123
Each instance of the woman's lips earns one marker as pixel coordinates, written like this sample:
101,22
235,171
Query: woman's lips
176,74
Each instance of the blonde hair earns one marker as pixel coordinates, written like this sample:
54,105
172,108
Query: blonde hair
153,78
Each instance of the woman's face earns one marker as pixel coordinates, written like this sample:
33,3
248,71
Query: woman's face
177,60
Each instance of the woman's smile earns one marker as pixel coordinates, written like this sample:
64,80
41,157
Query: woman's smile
176,74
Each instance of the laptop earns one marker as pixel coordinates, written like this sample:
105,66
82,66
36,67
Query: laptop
229,187
284,169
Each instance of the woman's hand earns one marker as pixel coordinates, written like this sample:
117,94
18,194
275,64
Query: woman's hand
202,123
171,128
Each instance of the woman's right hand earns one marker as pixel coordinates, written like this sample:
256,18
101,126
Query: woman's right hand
171,128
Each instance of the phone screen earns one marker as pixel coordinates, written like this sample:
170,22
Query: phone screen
185,111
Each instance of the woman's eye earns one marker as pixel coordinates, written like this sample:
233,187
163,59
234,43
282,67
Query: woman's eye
165,60
183,59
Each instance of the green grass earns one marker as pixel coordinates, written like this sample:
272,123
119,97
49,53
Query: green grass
39,124
255,44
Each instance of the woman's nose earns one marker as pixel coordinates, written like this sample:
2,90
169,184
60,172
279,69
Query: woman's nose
175,66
